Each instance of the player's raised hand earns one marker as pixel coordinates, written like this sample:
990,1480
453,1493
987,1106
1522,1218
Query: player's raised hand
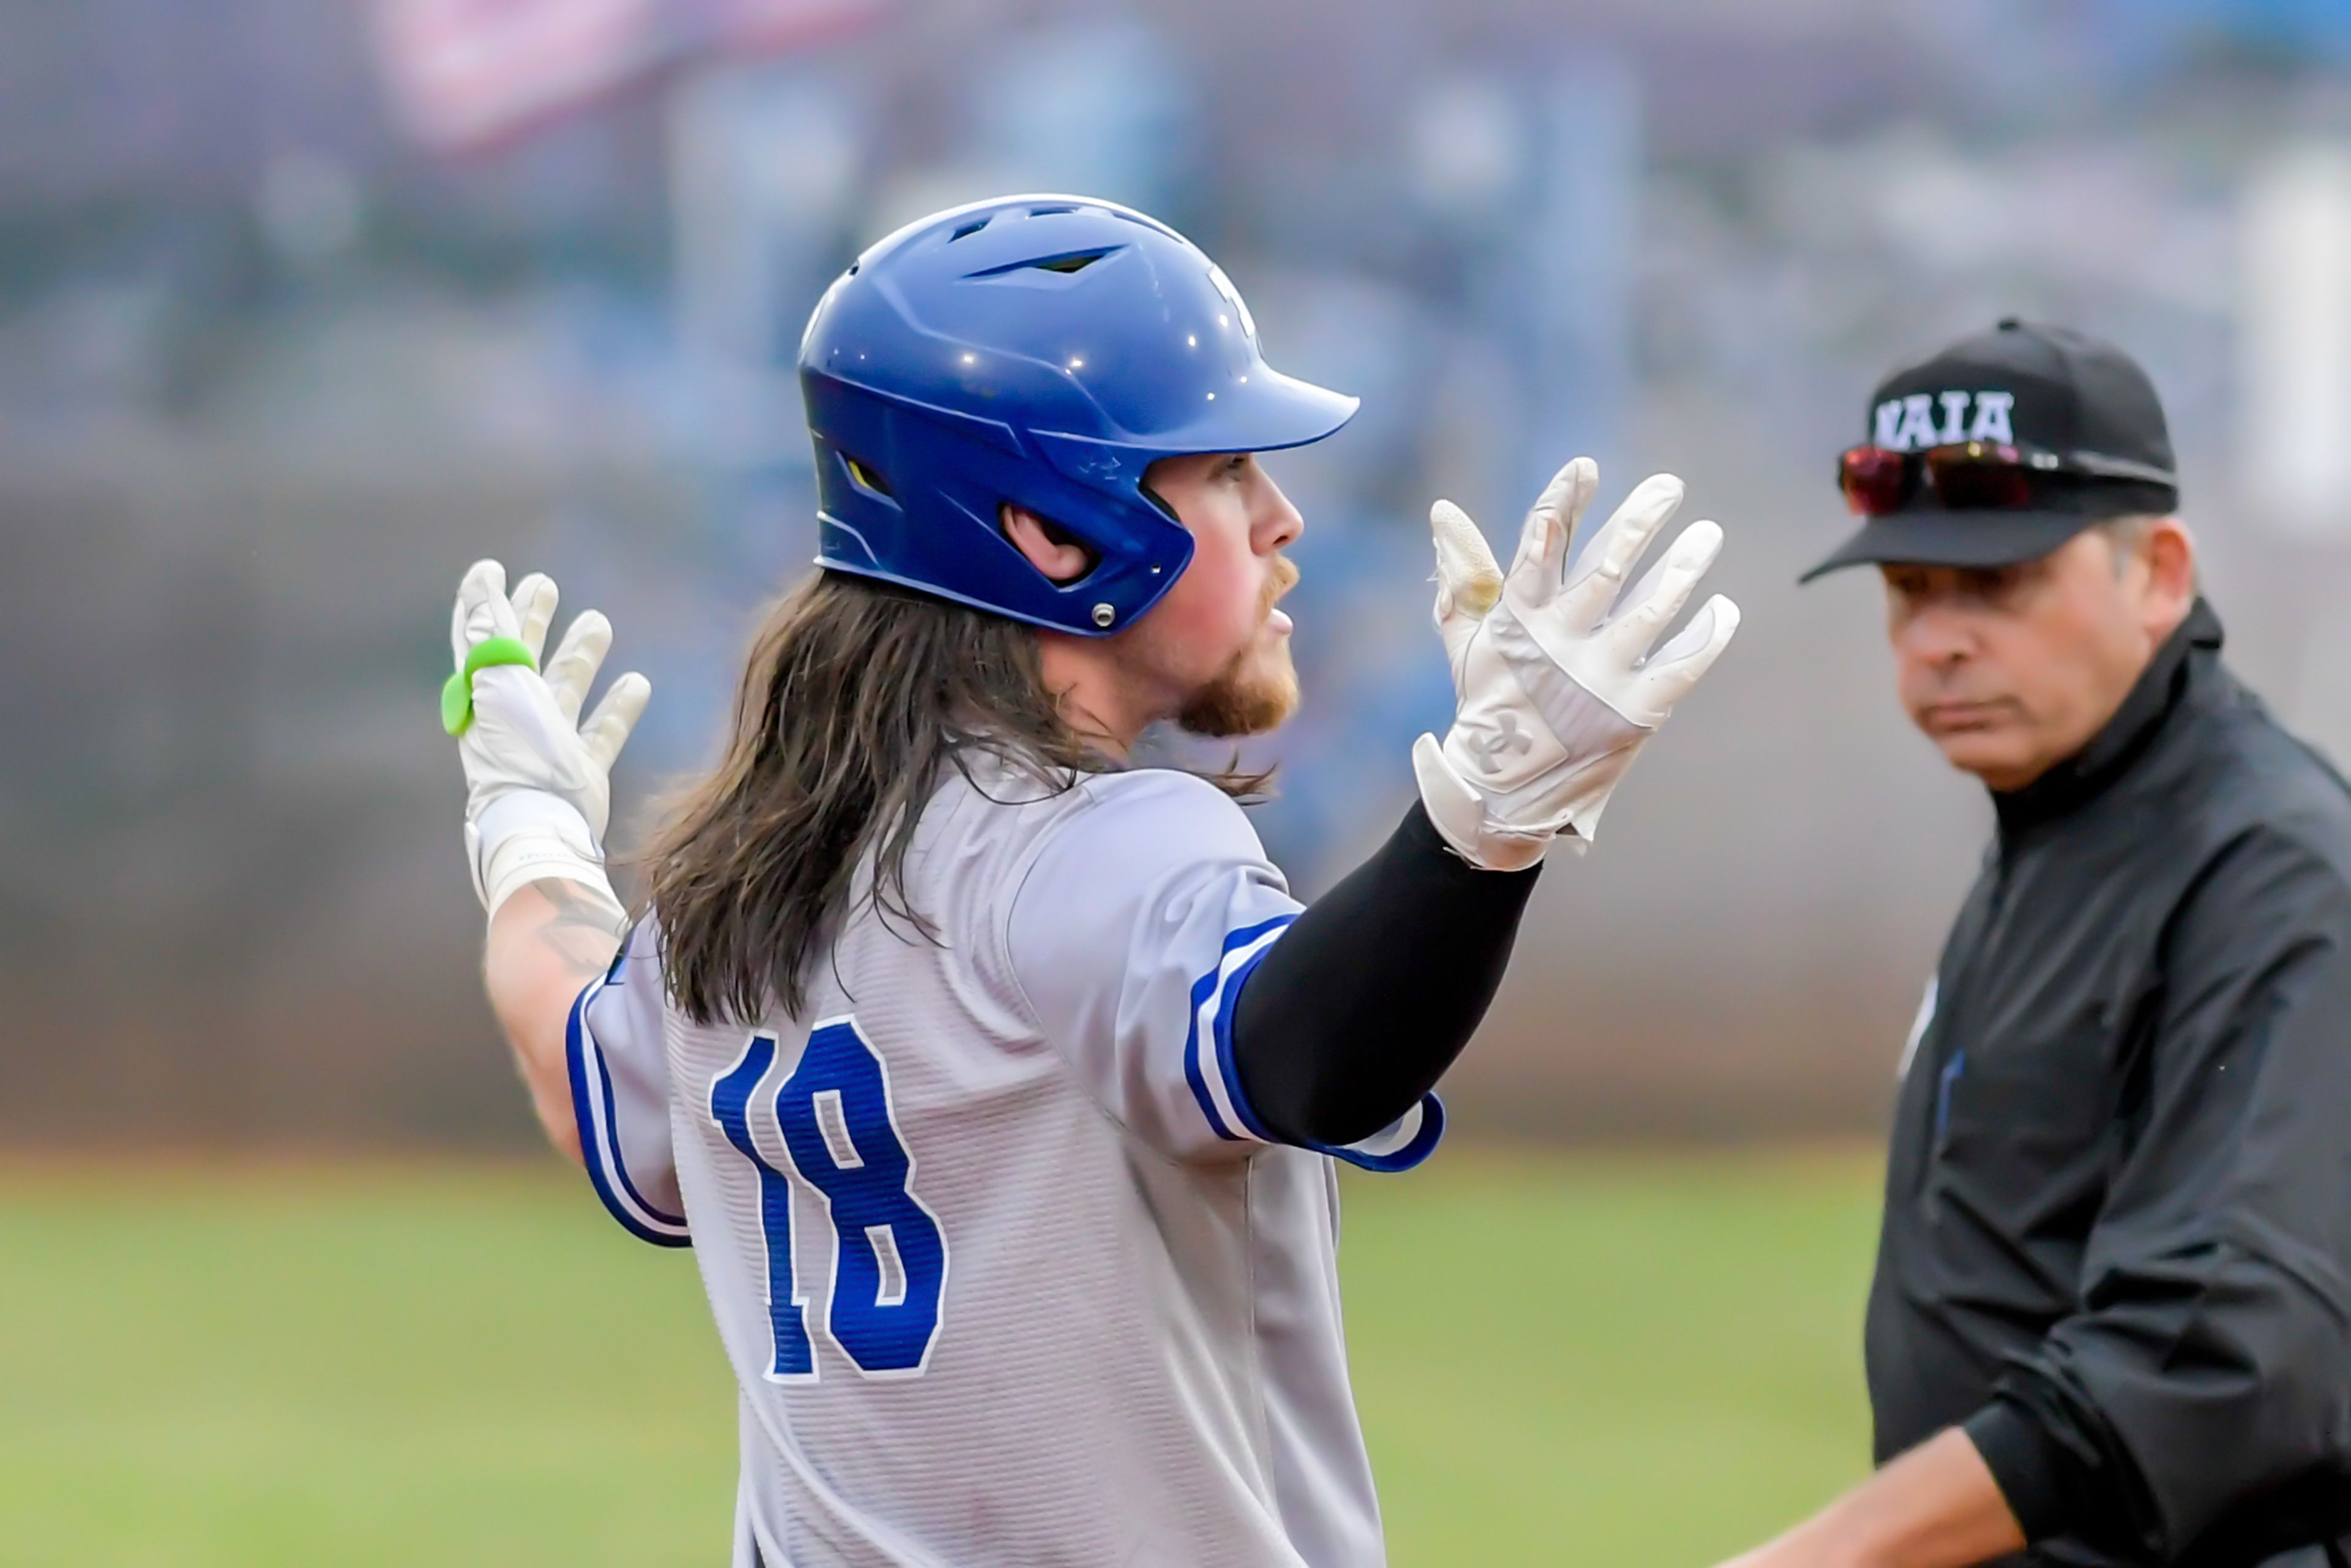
1557,685
539,793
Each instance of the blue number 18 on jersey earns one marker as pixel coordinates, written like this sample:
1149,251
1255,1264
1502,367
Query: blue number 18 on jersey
832,1118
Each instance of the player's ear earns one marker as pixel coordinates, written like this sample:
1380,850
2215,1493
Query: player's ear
1049,549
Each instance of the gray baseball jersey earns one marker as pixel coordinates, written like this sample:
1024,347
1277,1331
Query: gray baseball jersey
1010,1273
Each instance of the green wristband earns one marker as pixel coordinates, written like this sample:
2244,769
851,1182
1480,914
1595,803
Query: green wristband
457,692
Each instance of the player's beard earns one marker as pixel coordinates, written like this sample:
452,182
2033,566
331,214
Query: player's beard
1259,688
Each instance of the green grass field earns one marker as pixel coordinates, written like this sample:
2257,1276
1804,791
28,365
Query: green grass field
1620,1360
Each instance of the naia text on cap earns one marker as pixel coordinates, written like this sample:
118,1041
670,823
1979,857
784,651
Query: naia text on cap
1907,424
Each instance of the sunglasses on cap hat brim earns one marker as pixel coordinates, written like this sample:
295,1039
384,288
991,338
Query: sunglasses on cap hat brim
1976,475
1982,504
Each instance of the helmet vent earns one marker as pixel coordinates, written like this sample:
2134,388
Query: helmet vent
1077,263
1067,262
866,478
972,228
1048,212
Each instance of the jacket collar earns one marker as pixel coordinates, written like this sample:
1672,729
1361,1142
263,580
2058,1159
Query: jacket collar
2159,693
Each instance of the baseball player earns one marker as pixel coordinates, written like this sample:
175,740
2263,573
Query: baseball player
997,1083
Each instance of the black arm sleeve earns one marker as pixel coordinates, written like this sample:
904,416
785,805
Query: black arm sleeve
2207,1377
1366,1000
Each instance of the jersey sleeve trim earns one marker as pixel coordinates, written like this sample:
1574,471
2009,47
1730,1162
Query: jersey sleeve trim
1208,1044
1404,1144
1217,1084
600,1142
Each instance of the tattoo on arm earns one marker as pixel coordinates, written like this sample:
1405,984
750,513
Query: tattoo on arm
545,945
580,932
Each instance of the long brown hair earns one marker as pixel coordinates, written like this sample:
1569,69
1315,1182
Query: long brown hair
857,699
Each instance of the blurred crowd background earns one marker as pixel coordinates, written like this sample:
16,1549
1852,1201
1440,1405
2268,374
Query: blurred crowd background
304,306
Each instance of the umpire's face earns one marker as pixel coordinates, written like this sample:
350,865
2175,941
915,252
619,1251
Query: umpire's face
2011,670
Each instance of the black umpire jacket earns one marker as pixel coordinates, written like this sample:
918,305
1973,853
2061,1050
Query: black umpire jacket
2118,1232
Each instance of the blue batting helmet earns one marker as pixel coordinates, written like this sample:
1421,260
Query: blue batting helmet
1041,350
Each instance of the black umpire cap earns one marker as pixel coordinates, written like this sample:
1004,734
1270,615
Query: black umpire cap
2000,448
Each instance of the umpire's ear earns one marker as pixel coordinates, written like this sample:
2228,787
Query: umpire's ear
2170,550
1048,547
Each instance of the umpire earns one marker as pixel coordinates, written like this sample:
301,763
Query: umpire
2111,1323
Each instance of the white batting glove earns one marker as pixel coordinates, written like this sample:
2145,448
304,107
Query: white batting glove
1557,687
538,781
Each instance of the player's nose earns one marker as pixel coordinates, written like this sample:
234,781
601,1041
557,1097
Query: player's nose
1277,522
